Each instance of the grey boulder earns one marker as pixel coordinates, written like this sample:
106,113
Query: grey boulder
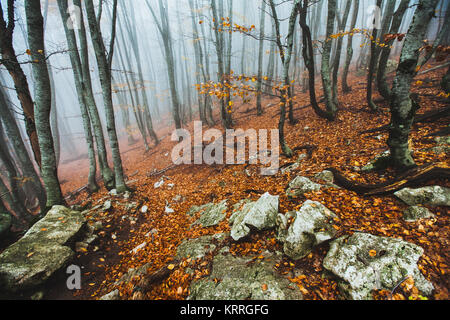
364,262
431,195
261,214
312,226
42,251
301,185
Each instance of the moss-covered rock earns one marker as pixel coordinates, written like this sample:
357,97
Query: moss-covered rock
237,278
198,248
211,214
42,251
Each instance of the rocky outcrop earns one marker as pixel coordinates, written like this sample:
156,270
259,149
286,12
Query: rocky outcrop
42,251
301,185
244,278
432,196
364,262
261,215
312,226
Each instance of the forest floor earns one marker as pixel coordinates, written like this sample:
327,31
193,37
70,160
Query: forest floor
339,145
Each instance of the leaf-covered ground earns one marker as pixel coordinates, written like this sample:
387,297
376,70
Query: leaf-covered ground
339,144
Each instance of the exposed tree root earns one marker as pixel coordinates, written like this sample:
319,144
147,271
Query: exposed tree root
149,280
413,177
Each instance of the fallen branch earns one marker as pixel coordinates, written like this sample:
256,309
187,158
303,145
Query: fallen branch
159,172
434,68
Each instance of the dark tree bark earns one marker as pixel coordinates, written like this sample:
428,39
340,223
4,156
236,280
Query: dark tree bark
9,60
308,56
26,165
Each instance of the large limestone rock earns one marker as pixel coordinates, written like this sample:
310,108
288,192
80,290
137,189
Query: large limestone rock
198,248
42,251
301,185
240,279
364,262
431,195
212,214
313,225
261,214
5,224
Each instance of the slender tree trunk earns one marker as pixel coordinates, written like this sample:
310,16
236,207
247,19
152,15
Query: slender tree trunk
372,65
260,58
285,55
164,30
106,172
308,56
337,57
349,56
42,102
104,70
9,60
226,118
26,165
403,108
12,177
79,86
326,80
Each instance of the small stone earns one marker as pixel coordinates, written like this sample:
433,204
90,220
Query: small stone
144,209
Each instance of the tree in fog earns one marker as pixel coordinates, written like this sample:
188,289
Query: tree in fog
163,25
104,62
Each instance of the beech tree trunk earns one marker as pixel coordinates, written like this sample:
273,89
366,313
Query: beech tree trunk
403,108
35,27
